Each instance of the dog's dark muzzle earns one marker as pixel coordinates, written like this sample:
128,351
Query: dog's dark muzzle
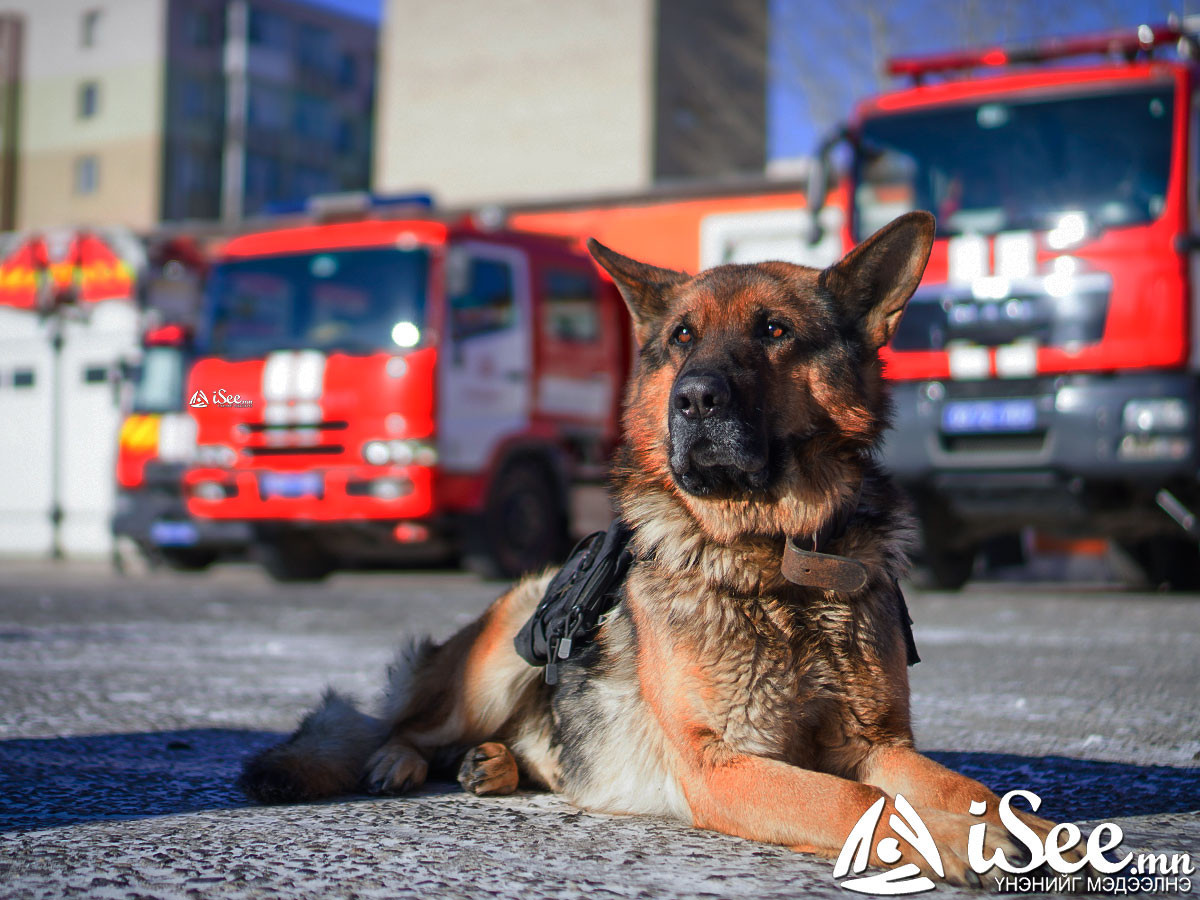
715,445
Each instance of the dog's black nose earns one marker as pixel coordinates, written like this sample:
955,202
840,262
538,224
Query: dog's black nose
699,396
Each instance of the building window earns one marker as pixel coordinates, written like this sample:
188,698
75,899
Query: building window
347,71
87,175
89,27
89,99
198,27
268,29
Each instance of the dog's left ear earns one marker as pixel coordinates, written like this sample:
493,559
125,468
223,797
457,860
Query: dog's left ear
874,281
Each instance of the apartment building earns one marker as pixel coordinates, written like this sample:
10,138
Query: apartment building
134,112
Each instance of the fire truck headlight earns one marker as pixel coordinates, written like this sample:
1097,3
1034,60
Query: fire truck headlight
1158,414
406,334
209,490
402,452
376,453
390,488
425,454
420,453
217,455
1070,229
1152,447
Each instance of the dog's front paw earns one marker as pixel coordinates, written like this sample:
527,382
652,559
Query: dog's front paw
395,768
489,769
950,835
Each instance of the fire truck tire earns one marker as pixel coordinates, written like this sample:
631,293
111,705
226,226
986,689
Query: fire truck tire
1167,563
945,568
289,560
186,560
524,525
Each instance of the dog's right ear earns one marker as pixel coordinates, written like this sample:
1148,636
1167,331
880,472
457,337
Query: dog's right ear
644,287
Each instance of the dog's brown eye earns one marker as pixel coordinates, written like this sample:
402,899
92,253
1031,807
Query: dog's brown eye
775,331
682,335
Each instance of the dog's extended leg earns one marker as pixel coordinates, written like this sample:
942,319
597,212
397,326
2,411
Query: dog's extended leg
899,769
767,800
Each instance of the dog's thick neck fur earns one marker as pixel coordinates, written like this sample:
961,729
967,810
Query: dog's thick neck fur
748,561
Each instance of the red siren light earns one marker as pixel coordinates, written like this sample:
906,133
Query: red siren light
1126,44
167,336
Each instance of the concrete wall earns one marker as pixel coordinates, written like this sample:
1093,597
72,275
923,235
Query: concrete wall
484,100
710,88
126,63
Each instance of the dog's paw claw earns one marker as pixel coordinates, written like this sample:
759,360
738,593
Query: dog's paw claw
489,769
395,769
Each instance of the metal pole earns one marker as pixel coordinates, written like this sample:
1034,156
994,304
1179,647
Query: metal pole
56,426
233,169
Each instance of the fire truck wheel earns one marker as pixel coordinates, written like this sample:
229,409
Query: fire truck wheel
524,526
291,559
945,568
187,560
1167,563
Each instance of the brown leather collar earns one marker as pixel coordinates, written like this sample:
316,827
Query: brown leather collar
805,564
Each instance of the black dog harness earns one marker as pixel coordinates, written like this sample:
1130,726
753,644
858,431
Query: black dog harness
585,588
588,586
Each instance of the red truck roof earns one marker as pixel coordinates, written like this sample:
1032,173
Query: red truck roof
327,236
376,233
1023,81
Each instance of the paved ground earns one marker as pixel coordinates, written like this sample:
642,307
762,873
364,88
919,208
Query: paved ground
127,705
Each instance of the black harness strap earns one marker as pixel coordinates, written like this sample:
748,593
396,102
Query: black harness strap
910,642
585,588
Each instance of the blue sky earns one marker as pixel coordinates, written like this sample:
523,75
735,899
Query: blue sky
825,55
364,9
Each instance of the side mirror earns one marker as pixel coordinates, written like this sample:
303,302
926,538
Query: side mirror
819,177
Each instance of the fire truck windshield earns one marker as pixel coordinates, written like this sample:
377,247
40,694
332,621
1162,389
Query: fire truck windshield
356,301
160,381
1018,163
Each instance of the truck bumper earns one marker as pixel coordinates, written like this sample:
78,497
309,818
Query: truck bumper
153,518
329,495
1066,452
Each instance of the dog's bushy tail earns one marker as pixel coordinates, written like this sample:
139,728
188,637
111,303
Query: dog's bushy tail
324,758
329,750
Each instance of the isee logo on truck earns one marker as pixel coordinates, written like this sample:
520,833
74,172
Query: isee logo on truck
220,397
1156,872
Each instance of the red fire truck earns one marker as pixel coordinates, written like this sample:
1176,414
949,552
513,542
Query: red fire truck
1046,372
364,387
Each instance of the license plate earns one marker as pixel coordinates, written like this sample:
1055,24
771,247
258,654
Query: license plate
290,485
967,416
174,534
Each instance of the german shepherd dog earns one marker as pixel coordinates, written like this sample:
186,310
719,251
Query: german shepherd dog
718,691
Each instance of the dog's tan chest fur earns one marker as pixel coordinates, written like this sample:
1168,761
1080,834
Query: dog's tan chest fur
780,675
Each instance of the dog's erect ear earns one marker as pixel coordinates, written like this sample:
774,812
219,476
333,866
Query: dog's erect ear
643,286
874,280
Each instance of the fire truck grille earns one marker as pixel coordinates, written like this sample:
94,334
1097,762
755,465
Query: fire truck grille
316,450
995,443
330,425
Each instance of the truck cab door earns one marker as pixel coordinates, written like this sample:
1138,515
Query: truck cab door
484,394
